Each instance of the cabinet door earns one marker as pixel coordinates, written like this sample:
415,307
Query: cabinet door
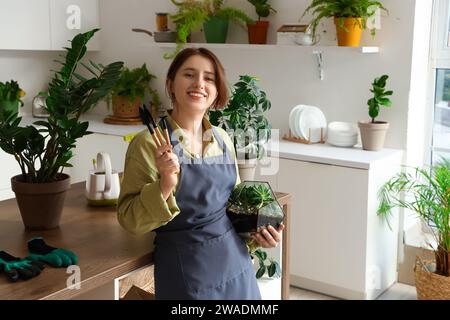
328,223
70,17
24,25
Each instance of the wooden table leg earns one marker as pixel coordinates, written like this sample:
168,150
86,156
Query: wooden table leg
285,254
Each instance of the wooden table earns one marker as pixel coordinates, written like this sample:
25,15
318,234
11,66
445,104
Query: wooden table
105,250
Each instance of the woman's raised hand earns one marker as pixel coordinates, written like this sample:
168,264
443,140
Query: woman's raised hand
168,167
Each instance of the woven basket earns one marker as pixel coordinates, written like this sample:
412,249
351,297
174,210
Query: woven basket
429,285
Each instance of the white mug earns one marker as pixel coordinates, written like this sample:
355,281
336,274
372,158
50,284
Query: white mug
103,184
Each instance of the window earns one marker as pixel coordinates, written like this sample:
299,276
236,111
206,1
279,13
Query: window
441,70
441,126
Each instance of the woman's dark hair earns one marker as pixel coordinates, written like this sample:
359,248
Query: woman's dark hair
221,85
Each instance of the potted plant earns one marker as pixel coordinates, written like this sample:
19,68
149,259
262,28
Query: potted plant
243,118
426,192
350,17
128,94
271,267
373,132
257,32
43,153
252,205
209,14
10,98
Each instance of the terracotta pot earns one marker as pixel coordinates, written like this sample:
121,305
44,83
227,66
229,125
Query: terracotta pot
257,33
123,108
373,134
40,204
350,34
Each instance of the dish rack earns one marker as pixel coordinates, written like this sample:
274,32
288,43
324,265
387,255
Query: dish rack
290,137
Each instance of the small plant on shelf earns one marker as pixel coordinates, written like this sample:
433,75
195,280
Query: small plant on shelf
212,15
350,17
10,98
129,92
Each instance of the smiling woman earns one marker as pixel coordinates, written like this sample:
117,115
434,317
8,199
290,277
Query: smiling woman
180,190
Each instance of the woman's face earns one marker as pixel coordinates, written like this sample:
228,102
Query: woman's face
194,85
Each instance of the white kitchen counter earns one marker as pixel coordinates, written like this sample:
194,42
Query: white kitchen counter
327,154
321,153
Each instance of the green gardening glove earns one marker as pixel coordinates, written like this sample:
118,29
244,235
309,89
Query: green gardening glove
56,257
16,268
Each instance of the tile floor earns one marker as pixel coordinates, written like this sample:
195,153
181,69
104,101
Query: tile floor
398,291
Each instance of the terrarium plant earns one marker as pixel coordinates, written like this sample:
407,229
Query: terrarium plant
373,132
212,15
426,192
130,90
244,118
10,97
272,267
350,17
44,149
252,205
257,32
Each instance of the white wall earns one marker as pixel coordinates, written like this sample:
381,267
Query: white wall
289,76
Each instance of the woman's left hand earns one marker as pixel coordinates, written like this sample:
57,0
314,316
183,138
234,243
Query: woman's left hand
269,237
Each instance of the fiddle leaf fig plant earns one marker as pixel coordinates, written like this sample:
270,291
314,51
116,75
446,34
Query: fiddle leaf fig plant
244,119
43,152
380,97
262,8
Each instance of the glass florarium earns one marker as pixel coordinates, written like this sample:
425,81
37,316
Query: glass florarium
252,205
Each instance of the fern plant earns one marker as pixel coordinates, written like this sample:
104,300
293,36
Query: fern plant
43,153
192,14
341,9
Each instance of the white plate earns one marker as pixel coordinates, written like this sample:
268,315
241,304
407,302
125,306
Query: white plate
313,118
292,119
297,131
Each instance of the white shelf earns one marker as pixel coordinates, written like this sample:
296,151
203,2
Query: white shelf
163,45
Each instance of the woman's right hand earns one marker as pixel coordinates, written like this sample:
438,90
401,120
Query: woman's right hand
168,167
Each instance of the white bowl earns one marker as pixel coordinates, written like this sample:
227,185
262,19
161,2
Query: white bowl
343,128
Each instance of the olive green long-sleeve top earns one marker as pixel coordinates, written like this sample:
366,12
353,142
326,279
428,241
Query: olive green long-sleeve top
141,206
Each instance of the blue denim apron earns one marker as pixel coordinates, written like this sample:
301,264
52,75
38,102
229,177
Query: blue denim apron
198,254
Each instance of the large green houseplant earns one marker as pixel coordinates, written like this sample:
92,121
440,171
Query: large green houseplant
129,92
212,15
426,192
373,132
43,150
244,119
350,17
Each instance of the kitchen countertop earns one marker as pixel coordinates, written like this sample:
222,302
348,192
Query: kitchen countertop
327,154
105,250
321,153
